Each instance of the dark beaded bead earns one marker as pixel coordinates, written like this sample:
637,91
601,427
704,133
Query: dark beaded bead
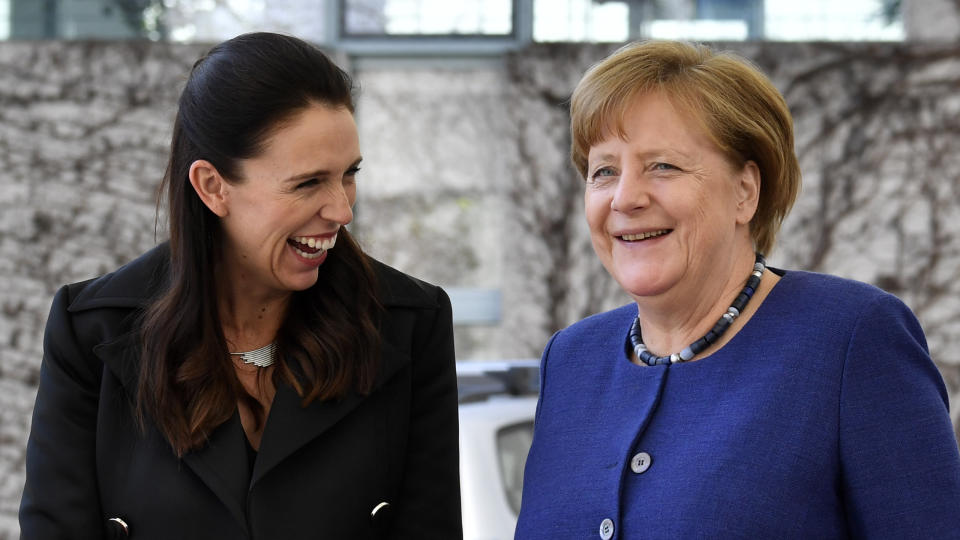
721,326
699,346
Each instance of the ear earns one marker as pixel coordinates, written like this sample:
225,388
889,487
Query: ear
210,186
748,192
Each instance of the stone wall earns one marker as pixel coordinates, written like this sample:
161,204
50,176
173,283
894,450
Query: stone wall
83,132
466,182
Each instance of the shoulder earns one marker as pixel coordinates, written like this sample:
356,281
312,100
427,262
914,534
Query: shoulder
832,287
597,327
831,301
94,310
88,314
130,286
600,339
398,289
849,326
414,311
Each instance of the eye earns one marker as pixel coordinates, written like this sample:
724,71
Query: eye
308,183
350,175
660,166
603,173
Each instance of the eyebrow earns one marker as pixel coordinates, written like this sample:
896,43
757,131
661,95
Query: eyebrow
666,152
602,157
647,154
319,173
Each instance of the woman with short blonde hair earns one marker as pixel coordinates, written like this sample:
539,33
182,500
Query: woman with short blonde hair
730,399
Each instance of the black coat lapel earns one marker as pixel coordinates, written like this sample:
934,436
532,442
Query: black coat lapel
291,426
222,463
122,357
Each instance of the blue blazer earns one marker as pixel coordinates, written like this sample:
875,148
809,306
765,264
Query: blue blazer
321,470
824,417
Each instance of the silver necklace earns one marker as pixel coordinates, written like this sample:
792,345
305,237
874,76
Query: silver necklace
262,357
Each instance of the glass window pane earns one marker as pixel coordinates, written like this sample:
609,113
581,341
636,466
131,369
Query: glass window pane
580,20
715,20
852,20
216,20
513,443
4,19
703,30
427,18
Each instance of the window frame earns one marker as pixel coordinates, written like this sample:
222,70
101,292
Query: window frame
430,44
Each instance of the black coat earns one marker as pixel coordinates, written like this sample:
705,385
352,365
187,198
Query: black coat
320,472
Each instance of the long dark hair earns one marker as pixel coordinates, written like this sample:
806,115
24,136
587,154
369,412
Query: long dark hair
328,342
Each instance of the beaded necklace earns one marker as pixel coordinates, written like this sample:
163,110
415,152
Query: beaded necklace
698,346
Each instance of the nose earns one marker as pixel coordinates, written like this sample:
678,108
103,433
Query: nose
631,192
338,206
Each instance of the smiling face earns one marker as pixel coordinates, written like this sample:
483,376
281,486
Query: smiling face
283,216
666,209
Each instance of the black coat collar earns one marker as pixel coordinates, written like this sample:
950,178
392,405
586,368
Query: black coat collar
133,284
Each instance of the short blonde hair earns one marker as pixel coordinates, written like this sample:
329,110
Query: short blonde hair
740,109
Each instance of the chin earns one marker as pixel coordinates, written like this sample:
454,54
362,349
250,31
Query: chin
640,284
301,283
641,291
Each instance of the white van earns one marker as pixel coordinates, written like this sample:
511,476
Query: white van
497,405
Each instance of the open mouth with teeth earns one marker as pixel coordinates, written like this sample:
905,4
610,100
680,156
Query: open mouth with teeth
644,236
309,247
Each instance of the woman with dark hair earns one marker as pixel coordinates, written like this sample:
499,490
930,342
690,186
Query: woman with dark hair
257,376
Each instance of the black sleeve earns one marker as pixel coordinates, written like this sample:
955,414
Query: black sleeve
430,497
60,498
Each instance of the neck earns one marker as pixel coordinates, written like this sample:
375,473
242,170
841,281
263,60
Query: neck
671,322
250,318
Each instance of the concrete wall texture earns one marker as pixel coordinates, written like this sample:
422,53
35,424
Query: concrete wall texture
466,182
